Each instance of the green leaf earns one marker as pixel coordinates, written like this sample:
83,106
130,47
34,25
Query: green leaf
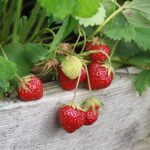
7,69
15,53
96,19
23,22
142,6
136,18
142,81
120,29
58,37
142,38
86,8
80,8
4,85
137,13
140,60
70,26
109,6
127,49
35,53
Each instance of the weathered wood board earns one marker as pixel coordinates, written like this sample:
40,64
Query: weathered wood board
123,123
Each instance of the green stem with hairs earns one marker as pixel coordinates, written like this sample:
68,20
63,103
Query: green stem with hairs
107,20
3,52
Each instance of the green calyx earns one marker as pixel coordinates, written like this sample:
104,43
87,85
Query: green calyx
75,106
71,66
24,82
92,103
109,68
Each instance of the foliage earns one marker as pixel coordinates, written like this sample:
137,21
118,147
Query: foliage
142,81
30,39
75,8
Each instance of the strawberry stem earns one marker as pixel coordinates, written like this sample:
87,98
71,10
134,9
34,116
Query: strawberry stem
107,20
19,78
77,41
77,84
84,35
114,48
88,78
5,56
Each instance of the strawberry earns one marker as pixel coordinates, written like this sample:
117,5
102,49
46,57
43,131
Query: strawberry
100,76
99,56
92,103
30,88
71,117
67,83
91,116
91,107
71,66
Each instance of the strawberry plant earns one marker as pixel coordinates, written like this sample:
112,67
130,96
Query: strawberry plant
40,36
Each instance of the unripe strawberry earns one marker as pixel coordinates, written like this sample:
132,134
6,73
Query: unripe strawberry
71,67
69,84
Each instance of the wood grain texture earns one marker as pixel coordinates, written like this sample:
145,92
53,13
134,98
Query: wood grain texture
123,124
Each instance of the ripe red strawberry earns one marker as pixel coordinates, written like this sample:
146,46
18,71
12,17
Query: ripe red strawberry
91,116
100,76
71,118
67,83
91,110
99,56
30,88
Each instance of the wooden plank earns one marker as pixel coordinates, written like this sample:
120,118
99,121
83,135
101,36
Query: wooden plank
123,123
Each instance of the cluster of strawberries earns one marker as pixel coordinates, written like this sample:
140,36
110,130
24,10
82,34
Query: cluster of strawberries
72,71
100,74
72,116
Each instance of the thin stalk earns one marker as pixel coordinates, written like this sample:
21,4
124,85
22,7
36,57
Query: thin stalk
79,43
43,39
3,52
17,16
114,48
55,28
50,31
84,35
77,39
107,20
88,78
18,77
115,2
77,84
